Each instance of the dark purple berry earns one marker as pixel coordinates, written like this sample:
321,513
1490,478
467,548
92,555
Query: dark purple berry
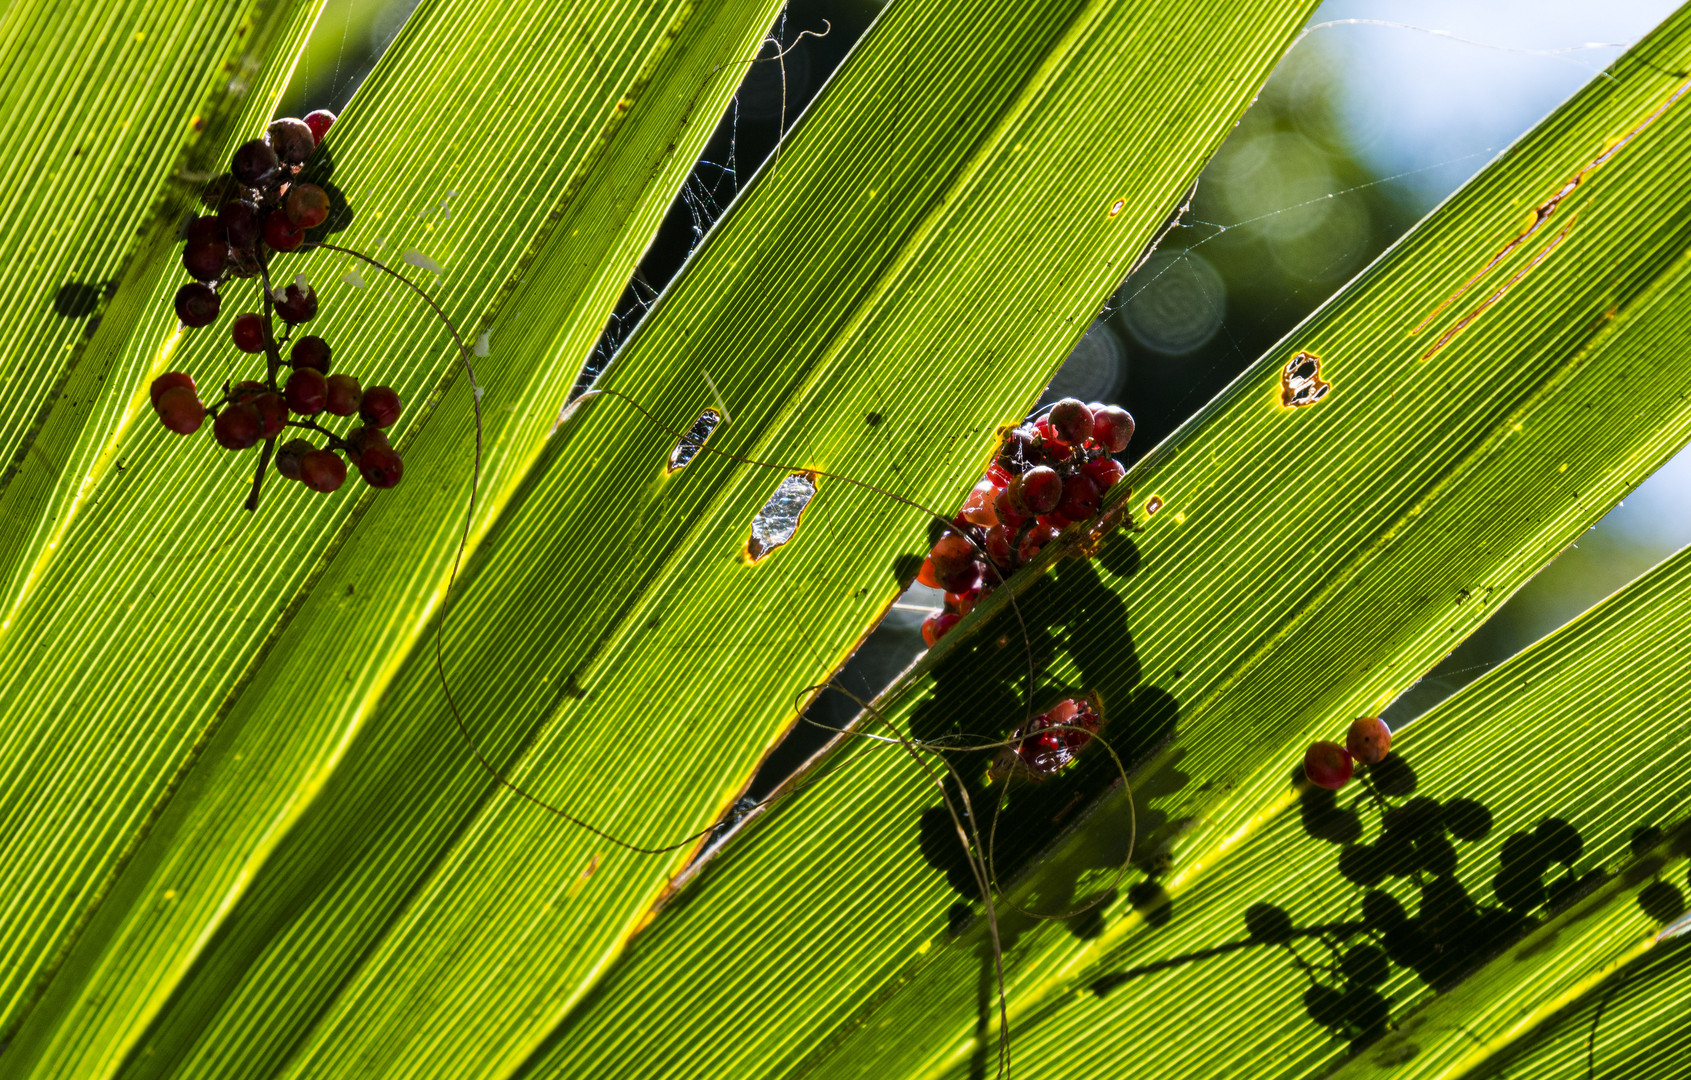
360,439
322,470
1039,490
292,140
255,164
345,395
311,351
243,262
180,410
242,223
238,427
289,455
307,391
1016,453
205,259
197,304
206,228
318,120
380,407
935,627
282,234
307,205
295,306
381,466
248,332
273,411
1071,420
1112,428
1081,498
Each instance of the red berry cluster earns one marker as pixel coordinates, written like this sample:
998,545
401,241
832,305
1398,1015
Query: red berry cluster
262,209
1047,475
1329,765
1051,740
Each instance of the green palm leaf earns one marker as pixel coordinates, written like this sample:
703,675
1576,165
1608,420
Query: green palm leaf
1305,565
298,863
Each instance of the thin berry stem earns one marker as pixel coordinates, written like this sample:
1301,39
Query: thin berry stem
258,476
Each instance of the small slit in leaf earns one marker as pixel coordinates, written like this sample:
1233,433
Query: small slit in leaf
694,440
776,523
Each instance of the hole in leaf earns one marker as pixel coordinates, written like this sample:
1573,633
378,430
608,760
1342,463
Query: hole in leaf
1301,382
776,523
694,440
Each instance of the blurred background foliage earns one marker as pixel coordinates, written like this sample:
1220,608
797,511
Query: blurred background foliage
1378,113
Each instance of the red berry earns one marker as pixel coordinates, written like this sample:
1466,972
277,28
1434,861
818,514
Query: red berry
179,410
964,602
294,306
238,427
1005,510
360,439
307,205
998,547
1071,420
292,139
311,351
289,455
951,552
1081,498
1104,472
322,470
344,395
978,508
248,332
998,474
205,259
961,579
1037,538
197,304
254,163
926,574
1368,740
935,627
273,410
1051,444
380,407
1327,765
318,120
307,391
1112,428
247,389
381,466
1039,489
242,223
282,234
170,380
